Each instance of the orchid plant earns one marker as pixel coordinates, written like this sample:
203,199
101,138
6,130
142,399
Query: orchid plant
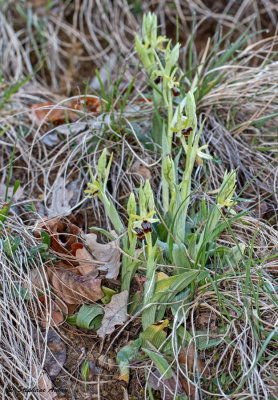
140,240
147,240
161,65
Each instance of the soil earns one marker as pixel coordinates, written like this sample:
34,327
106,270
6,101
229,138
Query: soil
81,346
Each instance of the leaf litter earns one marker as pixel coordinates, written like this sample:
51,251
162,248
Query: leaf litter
108,253
115,313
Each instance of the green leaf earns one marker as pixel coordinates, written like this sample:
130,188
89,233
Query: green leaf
11,245
179,283
166,289
4,212
16,186
41,248
104,232
190,109
179,256
125,356
20,292
162,230
31,207
72,319
128,352
88,317
203,341
85,369
108,293
155,334
45,239
160,363
236,253
178,301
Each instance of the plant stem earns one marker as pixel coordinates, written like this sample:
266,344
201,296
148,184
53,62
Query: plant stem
147,316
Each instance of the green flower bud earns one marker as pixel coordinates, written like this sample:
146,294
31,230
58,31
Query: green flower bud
149,29
171,57
169,171
227,190
149,196
143,54
131,205
101,165
142,200
190,109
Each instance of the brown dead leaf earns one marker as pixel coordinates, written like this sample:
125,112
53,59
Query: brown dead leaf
140,169
188,355
205,318
60,199
38,279
74,289
166,387
115,313
63,234
58,311
189,389
56,354
43,383
90,104
108,253
86,263
75,247
45,113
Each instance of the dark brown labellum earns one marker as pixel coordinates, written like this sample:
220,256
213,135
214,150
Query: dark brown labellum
157,80
95,192
224,211
146,226
186,131
141,238
139,233
175,91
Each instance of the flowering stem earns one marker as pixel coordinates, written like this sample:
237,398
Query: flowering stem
114,217
165,186
170,117
147,316
186,189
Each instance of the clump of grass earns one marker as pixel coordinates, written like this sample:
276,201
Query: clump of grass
22,348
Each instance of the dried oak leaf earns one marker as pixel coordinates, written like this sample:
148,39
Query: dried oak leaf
63,234
108,253
45,113
43,383
188,355
54,308
60,199
115,313
86,264
74,289
90,104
